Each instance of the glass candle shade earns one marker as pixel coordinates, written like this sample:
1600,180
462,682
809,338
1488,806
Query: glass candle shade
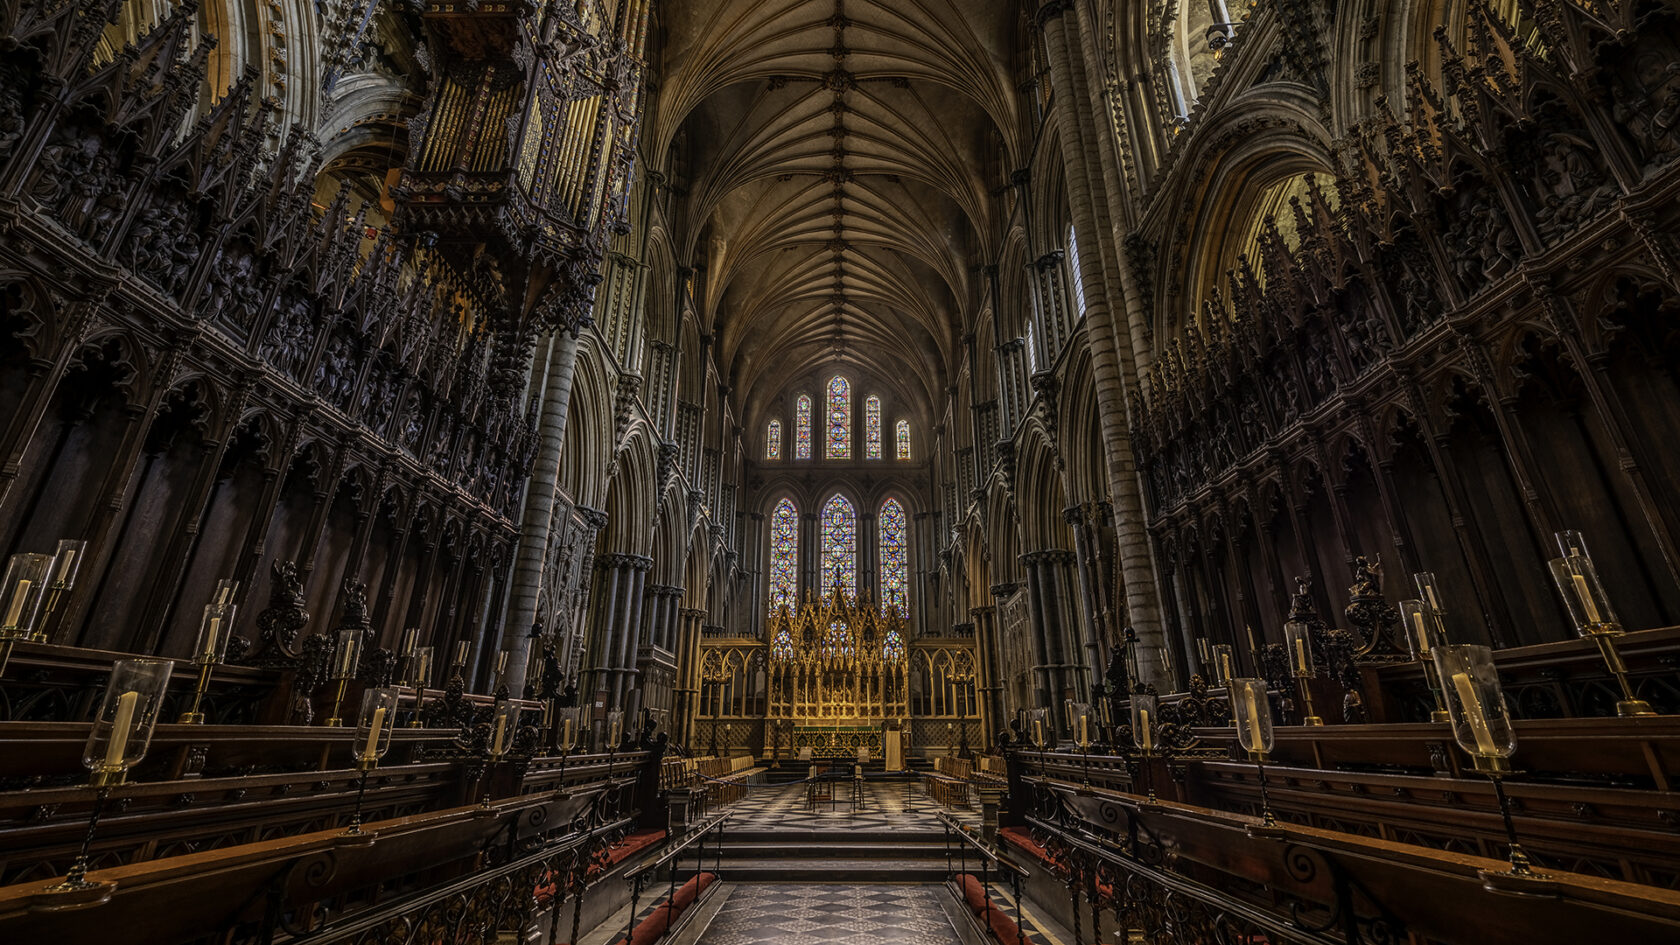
571,732
226,590
410,638
1039,730
67,563
420,673
502,728
1298,639
1146,720
1570,542
1084,723
1204,653
501,665
461,650
615,729
128,711
1475,701
1423,629
347,653
1251,709
1428,590
1577,580
373,725
214,630
21,594
1224,663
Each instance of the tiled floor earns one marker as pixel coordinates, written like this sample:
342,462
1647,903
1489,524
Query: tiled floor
837,914
892,806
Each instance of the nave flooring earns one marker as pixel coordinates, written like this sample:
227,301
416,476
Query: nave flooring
833,876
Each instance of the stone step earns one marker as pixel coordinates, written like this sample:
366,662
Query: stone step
782,849
831,870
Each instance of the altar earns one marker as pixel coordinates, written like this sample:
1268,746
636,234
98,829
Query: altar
837,741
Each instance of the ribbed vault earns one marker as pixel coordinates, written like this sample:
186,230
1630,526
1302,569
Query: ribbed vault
843,160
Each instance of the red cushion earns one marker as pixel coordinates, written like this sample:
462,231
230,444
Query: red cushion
973,892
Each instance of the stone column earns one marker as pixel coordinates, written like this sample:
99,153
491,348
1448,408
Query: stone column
999,643
687,694
538,515
991,687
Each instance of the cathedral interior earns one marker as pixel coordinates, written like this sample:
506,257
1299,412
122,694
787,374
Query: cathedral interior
713,472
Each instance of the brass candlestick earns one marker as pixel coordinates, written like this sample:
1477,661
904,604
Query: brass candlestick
1593,616
213,632
346,655
1298,638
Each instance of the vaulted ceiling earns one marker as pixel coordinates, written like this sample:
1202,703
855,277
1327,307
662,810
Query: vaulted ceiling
841,160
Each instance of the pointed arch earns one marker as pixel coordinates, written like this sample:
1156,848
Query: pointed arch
838,522
901,439
773,440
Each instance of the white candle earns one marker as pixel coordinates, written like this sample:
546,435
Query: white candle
1585,594
1084,734
1434,604
566,739
370,751
496,742
1302,666
124,720
1473,715
1146,739
210,633
1038,732
1422,634
1255,743
1225,663
16,610
66,562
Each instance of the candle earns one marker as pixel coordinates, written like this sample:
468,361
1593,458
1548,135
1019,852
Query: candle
222,595
1038,732
1473,715
496,742
1434,604
1585,594
566,739
501,662
370,751
66,567
16,610
1255,742
461,653
409,636
1422,634
124,720
1146,739
1303,667
1084,733
1225,668
211,631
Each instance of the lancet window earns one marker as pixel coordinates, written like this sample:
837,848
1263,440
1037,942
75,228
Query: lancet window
839,418
872,428
901,439
784,556
839,545
895,558
773,440
802,427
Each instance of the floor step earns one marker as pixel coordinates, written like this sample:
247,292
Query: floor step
832,870
781,849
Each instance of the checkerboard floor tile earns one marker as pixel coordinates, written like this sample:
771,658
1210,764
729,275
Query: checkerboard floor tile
838,914
896,807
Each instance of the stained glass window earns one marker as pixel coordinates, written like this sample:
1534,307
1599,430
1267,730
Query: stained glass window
895,558
839,545
839,418
901,438
773,441
872,427
784,556
802,428
1073,273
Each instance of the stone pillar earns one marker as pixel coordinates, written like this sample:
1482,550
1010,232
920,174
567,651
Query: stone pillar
537,518
687,694
1000,592
1093,629
991,687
